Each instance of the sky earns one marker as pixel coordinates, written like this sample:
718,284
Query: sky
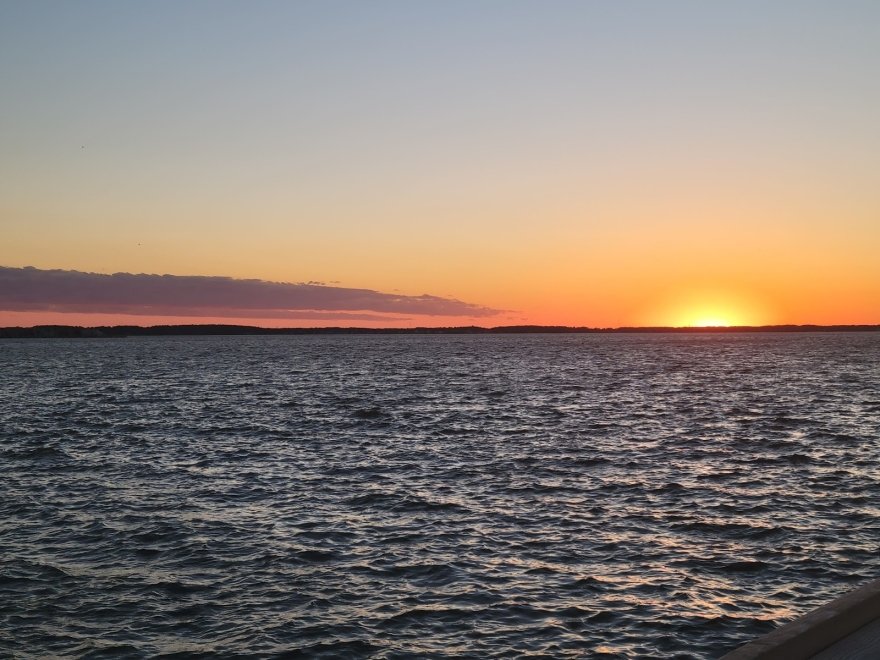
485,162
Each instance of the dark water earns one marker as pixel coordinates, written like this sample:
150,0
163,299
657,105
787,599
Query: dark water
395,497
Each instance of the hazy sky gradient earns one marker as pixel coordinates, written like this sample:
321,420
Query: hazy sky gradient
598,163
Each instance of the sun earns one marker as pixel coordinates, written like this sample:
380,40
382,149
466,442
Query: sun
711,314
710,322
708,307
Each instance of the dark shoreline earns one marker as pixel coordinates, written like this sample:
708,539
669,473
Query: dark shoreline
75,331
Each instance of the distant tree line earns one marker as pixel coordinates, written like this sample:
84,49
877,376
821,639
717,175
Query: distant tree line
75,331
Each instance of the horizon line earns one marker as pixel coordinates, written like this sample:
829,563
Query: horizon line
74,331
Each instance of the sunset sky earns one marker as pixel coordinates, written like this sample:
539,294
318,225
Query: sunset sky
440,163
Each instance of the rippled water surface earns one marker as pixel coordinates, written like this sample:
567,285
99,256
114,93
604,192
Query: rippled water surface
432,496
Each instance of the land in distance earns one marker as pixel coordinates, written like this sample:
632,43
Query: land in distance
75,331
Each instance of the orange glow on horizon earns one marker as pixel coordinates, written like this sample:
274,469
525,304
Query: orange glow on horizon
709,307
710,323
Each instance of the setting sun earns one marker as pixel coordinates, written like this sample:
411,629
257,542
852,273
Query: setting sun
708,306
710,322
724,314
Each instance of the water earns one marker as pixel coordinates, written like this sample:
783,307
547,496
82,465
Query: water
432,496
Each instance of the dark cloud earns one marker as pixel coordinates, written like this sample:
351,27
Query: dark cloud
33,289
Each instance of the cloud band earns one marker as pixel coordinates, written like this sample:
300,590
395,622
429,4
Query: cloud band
33,289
